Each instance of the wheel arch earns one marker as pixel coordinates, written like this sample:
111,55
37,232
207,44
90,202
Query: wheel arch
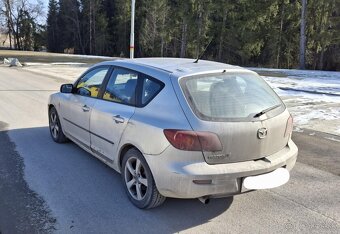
155,198
50,107
125,148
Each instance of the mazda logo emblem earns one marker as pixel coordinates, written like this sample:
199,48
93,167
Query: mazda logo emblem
262,133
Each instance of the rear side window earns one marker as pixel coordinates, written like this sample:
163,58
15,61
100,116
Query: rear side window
228,96
150,89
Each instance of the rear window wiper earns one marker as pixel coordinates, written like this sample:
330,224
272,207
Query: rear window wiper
266,110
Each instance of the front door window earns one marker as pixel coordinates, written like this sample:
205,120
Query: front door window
90,83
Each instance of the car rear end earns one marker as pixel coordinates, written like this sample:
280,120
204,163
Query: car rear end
240,130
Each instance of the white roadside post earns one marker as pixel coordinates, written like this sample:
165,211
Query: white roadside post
132,33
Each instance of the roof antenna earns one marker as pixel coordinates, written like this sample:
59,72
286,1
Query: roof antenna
205,49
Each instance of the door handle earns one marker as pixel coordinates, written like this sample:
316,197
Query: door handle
85,108
118,119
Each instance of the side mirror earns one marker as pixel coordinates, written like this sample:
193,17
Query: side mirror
66,88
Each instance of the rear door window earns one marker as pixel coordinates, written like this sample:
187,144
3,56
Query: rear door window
121,87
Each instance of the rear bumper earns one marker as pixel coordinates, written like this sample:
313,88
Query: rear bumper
174,172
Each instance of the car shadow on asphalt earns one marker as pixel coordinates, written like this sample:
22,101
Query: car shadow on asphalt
85,194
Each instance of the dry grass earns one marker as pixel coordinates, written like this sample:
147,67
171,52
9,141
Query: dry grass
45,57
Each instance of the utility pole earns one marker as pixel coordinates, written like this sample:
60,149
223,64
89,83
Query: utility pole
303,35
132,33
90,26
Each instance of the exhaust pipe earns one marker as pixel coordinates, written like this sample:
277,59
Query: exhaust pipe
204,200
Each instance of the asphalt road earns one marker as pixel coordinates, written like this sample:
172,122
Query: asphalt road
48,187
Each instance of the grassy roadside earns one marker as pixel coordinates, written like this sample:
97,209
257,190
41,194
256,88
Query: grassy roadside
45,57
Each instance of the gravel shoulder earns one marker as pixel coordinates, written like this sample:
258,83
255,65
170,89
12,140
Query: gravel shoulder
22,210
319,150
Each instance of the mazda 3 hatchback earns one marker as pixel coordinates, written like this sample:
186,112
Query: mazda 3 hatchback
178,128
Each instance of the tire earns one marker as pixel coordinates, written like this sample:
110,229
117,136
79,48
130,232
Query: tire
138,181
55,127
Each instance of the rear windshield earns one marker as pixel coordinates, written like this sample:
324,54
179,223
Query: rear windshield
229,96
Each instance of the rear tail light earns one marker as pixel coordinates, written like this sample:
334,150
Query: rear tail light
289,126
193,141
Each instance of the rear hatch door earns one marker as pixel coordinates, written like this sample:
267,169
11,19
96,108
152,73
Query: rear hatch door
240,108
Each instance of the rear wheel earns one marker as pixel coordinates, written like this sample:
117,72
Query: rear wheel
138,181
55,127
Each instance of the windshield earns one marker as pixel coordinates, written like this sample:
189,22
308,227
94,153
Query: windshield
231,96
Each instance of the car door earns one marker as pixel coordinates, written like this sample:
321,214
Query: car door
77,107
112,112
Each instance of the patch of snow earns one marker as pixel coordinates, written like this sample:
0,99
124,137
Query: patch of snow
302,74
12,62
59,63
36,64
312,97
297,129
91,56
304,116
68,63
316,89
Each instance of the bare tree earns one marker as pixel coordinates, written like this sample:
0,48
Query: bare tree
12,11
6,8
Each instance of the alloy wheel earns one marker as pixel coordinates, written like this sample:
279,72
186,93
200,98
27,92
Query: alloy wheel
54,125
135,178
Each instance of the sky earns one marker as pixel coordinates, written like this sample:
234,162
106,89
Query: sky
42,20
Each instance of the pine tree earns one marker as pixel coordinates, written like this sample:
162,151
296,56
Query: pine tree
70,28
242,32
52,27
152,32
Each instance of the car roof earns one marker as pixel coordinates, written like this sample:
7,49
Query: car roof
178,66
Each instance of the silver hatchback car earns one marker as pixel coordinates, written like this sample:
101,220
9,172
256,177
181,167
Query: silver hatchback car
177,127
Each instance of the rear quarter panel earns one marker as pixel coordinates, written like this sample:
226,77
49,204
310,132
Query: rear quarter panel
145,128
